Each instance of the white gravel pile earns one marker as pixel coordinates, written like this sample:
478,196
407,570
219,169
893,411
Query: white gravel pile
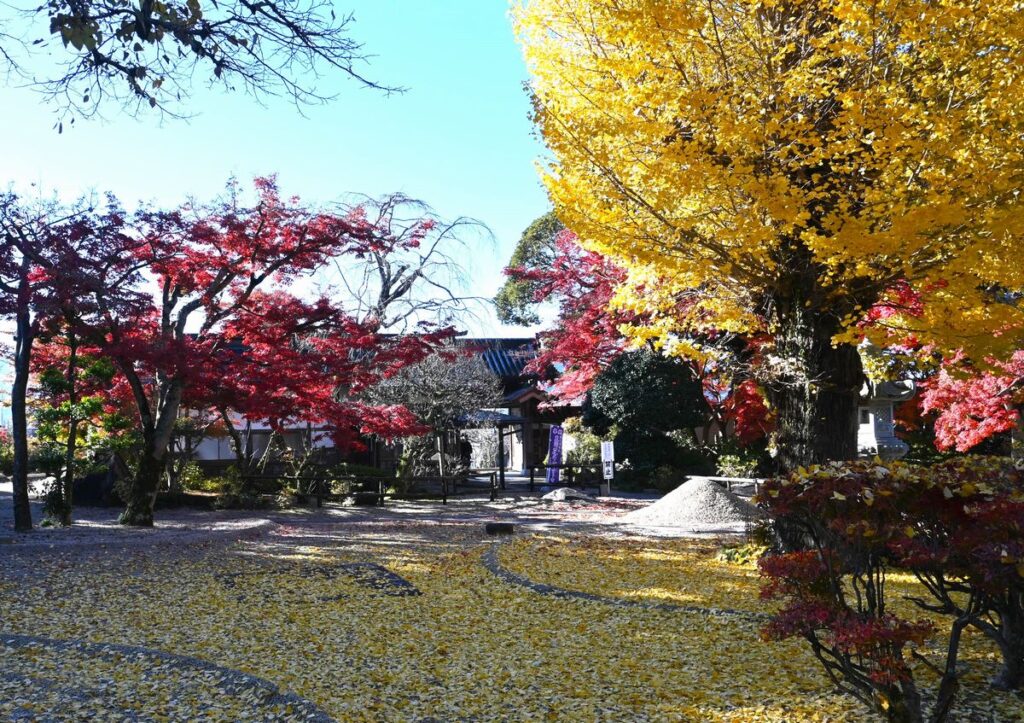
700,505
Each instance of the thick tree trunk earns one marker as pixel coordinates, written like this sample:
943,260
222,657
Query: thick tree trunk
904,704
814,390
1011,674
1011,644
68,486
141,493
19,417
142,490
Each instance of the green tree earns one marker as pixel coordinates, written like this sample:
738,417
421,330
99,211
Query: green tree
73,385
650,392
515,302
653,403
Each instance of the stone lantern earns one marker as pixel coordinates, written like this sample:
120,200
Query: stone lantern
876,432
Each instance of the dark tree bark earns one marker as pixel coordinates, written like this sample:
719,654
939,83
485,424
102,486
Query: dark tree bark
24,336
157,429
1010,638
68,485
237,445
814,391
141,493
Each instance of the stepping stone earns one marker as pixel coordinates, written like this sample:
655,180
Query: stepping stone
499,528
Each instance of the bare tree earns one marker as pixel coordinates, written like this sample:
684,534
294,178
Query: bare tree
146,53
416,273
441,390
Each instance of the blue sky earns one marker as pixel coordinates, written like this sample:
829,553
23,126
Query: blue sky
458,138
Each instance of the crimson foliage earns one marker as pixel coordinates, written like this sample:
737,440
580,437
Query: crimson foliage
958,526
974,404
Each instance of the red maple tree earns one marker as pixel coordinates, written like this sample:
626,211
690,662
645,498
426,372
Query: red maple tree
53,259
293,363
971,404
226,328
958,526
588,336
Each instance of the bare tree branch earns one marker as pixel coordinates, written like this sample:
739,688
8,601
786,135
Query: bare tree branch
140,54
415,271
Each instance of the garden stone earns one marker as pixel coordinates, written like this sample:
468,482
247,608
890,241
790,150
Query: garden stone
499,528
563,494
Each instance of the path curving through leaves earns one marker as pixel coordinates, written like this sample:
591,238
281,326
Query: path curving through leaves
61,677
493,564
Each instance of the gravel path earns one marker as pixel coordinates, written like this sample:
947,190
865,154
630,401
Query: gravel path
99,526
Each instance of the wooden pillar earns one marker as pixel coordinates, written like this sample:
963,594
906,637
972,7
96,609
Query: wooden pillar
501,456
529,453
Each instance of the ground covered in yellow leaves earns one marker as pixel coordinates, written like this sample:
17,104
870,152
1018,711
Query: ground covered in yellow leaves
403,621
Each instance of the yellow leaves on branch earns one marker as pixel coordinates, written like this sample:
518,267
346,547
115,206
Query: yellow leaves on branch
706,141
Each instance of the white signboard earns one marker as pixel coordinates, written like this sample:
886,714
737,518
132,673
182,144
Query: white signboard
609,469
607,451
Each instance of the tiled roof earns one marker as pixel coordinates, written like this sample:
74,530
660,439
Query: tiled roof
505,357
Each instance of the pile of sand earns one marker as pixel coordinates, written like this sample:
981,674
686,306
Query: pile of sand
699,504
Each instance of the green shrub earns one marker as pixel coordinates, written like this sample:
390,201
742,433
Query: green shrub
46,457
665,478
588,444
734,460
192,477
736,465
207,484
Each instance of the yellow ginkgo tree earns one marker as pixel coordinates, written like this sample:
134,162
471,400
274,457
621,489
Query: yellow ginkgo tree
796,164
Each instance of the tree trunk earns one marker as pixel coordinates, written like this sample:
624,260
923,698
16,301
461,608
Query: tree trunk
142,489
19,413
1011,644
68,487
814,390
238,445
68,496
141,493
1011,674
904,704
949,685
440,455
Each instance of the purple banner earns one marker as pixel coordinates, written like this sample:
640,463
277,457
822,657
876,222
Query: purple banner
554,454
